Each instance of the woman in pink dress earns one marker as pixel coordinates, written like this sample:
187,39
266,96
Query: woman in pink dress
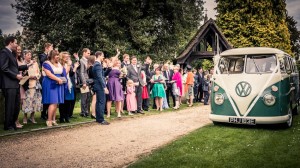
178,80
130,98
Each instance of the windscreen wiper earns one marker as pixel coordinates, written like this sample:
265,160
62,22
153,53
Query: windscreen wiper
256,66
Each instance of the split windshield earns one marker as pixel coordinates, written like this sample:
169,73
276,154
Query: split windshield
250,64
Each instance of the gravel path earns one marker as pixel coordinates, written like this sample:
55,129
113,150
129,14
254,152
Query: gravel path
93,145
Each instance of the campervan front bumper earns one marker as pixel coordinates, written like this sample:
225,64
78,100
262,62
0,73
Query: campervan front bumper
249,120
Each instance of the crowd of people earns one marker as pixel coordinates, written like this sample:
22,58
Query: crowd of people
51,81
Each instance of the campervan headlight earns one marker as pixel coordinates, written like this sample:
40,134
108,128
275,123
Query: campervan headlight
269,99
219,99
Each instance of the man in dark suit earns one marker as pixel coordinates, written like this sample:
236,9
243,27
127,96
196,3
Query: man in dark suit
125,63
168,74
42,58
200,83
146,68
100,88
134,74
10,82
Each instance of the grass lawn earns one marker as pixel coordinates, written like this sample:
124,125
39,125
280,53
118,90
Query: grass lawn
41,124
230,146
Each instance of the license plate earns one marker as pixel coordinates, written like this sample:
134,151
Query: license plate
248,121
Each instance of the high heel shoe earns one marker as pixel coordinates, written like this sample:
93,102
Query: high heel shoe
49,123
19,126
93,117
32,120
24,120
54,123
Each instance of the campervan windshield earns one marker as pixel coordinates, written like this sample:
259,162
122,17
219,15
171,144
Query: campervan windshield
261,63
249,64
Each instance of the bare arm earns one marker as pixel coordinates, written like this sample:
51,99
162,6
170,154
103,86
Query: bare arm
52,76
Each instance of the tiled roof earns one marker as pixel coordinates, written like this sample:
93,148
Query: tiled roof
195,40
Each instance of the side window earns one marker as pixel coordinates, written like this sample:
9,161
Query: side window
282,66
231,65
287,63
293,62
296,68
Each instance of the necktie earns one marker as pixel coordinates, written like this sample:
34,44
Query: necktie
135,68
168,75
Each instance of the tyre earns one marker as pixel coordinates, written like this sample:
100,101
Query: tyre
216,123
289,122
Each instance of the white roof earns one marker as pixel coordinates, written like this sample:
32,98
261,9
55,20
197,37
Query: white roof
251,50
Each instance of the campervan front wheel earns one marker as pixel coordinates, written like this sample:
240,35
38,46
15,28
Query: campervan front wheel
289,122
216,123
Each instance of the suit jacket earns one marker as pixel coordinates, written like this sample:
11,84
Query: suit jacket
9,69
171,72
72,75
124,64
42,57
133,75
83,71
99,80
147,72
200,78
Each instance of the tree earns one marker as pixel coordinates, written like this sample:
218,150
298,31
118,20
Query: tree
254,23
141,27
295,35
1,40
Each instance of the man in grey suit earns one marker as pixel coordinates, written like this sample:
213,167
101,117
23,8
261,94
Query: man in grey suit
134,74
85,97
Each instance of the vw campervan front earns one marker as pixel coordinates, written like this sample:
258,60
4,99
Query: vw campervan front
254,85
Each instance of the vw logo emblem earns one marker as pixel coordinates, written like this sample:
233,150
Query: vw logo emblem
243,89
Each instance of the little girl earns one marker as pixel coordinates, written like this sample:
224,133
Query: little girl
130,97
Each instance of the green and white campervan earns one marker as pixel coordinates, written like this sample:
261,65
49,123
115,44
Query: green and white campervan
255,85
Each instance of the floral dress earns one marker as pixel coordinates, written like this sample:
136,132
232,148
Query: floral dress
33,97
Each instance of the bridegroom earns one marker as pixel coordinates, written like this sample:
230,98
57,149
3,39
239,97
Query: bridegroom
99,88
134,74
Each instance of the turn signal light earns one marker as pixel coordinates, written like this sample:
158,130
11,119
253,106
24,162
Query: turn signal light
216,88
274,88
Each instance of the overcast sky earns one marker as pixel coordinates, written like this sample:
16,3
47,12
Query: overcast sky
8,17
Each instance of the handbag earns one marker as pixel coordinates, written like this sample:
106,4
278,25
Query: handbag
38,85
90,82
177,92
64,79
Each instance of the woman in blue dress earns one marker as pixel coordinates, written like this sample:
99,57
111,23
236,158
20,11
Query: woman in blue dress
66,109
53,86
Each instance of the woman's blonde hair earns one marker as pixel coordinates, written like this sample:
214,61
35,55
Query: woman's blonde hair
62,55
115,62
91,59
